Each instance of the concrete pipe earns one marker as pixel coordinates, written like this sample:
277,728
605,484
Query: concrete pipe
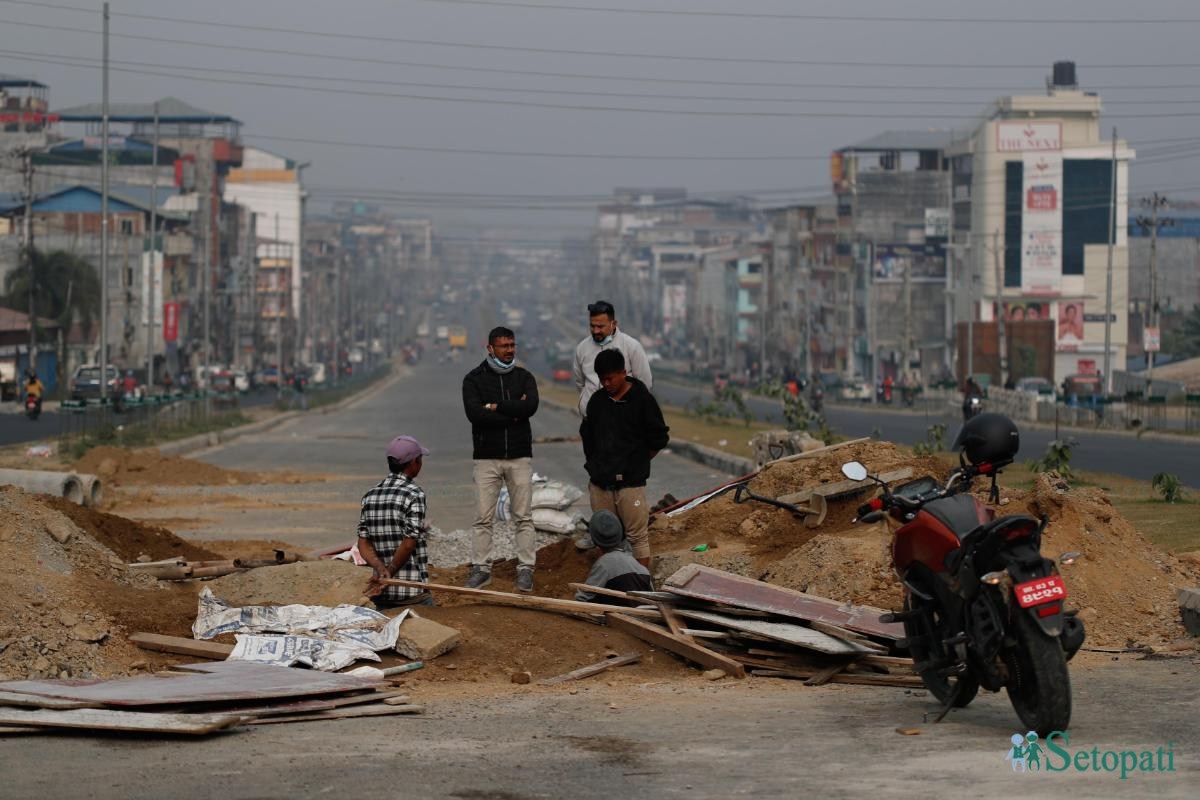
93,490
60,484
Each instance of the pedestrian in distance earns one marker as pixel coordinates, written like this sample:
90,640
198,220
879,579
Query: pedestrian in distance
622,431
602,323
499,397
615,568
391,528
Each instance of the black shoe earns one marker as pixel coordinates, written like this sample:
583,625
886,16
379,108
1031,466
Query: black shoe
479,578
524,579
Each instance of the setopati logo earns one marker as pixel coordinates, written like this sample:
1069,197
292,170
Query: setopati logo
1029,753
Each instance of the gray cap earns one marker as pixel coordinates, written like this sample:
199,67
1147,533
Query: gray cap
606,530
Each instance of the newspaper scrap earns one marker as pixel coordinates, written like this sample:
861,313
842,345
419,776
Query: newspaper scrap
286,651
321,637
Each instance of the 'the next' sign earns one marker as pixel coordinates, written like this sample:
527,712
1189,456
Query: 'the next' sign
1028,136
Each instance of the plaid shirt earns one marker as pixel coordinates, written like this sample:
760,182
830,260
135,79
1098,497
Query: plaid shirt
393,511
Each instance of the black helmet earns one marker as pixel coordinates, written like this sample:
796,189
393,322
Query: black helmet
989,439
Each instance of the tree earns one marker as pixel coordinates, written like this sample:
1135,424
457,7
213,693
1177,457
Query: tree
66,290
1185,341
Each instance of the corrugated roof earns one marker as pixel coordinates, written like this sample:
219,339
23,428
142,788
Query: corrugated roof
17,82
135,197
170,110
907,140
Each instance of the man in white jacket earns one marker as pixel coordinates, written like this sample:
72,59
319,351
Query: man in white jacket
602,320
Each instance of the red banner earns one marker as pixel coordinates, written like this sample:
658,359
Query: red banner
170,322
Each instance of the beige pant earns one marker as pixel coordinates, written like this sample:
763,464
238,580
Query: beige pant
629,504
490,475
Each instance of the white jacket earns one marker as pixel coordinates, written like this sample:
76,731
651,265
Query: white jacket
586,380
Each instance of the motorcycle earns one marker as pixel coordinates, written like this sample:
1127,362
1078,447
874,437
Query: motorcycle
972,407
982,606
33,407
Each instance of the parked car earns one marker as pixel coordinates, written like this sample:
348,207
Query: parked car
85,383
1038,386
268,376
222,382
563,371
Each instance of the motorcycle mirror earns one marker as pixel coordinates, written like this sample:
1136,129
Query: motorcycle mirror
854,471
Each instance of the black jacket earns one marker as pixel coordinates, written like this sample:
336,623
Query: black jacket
619,435
503,433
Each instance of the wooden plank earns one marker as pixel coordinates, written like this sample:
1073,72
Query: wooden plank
823,675
844,488
219,681
381,710
523,600
35,701
697,633
820,451
320,704
664,640
592,669
786,632
103,719
714,585
182,646
583,587
905,681
848,635
674,624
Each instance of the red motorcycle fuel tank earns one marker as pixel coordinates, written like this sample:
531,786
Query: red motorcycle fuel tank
928,539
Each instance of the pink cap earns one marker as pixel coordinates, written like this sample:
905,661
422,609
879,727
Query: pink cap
405,449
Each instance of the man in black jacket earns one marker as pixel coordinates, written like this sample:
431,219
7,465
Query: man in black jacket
499,398
623,430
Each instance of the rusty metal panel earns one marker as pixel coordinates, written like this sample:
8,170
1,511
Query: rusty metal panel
221,681
717,586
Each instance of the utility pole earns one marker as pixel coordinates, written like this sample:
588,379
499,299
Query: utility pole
1153,224
1108,290
27,249
1001,343
104,218
279,315
905,356
151,305
337,317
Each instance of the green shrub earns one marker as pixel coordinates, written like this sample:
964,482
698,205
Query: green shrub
1168,486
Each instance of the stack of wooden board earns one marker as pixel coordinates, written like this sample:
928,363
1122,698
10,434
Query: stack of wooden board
724,621
199,699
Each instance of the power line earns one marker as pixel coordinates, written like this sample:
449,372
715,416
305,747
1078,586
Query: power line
820,17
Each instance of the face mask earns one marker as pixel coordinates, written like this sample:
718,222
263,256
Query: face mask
606,340
501,364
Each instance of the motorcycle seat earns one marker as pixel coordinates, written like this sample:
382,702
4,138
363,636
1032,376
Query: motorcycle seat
960,513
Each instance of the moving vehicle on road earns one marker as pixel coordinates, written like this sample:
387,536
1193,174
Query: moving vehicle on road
443,332
33,407
563,371
1034,385
982,606
458,337
85,383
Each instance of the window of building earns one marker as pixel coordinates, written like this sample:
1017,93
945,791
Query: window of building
127,227
1087,200
1013,193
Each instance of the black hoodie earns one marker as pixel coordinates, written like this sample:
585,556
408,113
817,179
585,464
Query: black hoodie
503,433
619,435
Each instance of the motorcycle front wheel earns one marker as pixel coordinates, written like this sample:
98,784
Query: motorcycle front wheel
926,634
1039,686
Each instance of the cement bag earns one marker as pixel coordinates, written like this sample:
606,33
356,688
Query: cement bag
504,505
556,495
554,521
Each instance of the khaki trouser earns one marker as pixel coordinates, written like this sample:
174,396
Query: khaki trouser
490,475
629,504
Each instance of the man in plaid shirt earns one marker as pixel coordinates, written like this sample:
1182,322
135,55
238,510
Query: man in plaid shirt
391,528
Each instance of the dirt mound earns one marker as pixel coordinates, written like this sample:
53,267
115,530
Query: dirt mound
68,606
127,538
314,583
246,548
124,467
1123,586
498,641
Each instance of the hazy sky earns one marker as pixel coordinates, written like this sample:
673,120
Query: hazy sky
953,92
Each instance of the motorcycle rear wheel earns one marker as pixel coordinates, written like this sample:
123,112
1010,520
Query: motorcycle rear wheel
1039,686
925,634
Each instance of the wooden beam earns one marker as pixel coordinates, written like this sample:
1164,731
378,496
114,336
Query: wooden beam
37,701
844,488
675,625
786,632
823,675
583,587
592,669
104,719
820,451
380,710
665,640
524,600
182,646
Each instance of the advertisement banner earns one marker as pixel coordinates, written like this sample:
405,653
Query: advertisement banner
1070,325
170,322
1022,310
937,223
1028,137
152,269
674,307
926,263
1041,224
1150,340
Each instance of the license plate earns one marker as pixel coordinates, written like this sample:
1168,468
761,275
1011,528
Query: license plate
1040,590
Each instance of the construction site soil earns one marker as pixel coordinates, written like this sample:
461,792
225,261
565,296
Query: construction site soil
124,467
69,602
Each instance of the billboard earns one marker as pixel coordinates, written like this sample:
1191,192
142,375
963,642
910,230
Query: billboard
1028,136
1070,325
170,319
926,263
1021,310
1041,223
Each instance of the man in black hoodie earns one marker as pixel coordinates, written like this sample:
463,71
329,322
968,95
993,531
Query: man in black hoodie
499,398
623,430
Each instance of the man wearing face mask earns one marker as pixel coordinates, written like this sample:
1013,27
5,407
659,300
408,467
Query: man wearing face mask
499,398
602,321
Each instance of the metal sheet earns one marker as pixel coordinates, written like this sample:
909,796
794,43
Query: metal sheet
714,585
222,681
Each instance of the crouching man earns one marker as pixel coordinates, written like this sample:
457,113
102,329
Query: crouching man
615,568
